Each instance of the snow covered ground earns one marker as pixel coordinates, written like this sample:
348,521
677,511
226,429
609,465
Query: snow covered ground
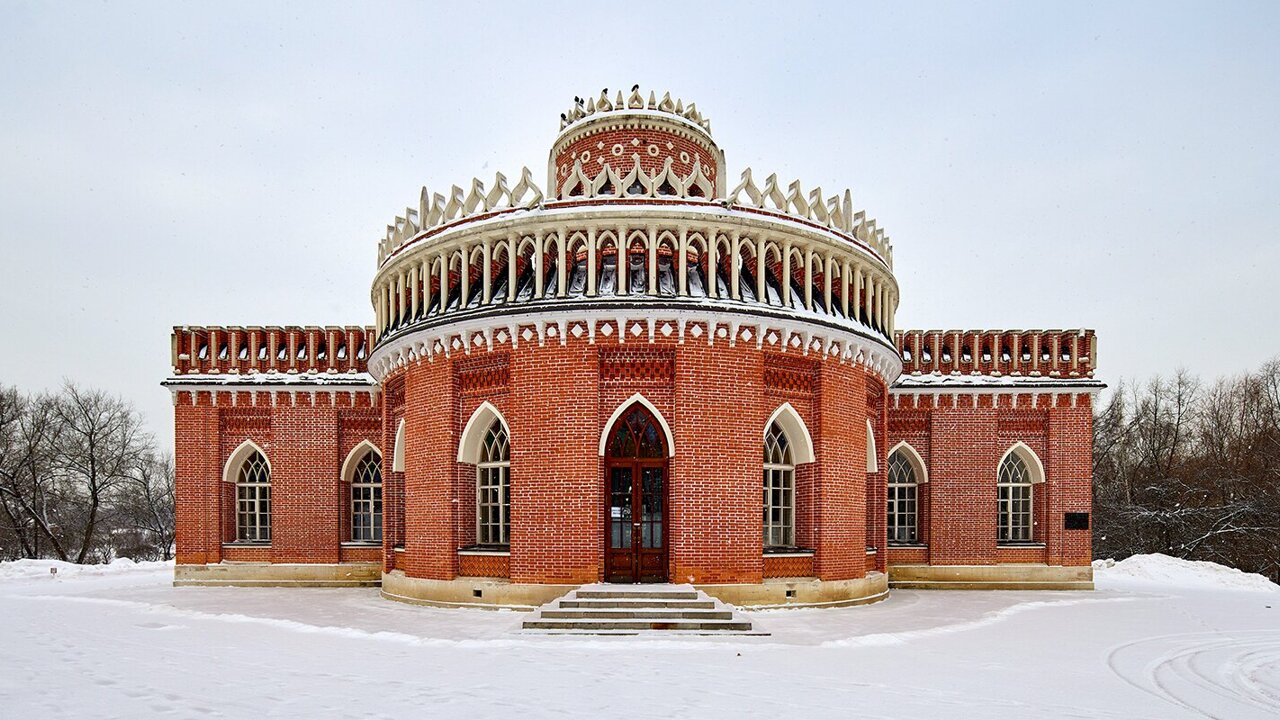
1160,638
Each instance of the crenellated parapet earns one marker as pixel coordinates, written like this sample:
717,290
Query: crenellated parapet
589,107
437,212
999,353
288,350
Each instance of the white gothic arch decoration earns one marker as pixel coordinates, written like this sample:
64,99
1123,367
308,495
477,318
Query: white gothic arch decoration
354,457
238,456
1028,456
397,455
801,441
872,464
471,444
617,413
913,459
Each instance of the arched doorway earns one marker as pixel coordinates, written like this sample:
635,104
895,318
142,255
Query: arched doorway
635,518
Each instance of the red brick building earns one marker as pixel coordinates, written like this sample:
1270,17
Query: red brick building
633,373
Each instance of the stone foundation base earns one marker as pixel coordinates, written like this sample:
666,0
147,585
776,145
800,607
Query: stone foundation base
802,592
473,592
991,577
499,593
252,574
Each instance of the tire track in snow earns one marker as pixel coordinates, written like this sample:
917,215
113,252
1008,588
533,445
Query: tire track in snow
1214,674
991,618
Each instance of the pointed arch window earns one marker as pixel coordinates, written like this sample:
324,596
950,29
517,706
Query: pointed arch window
253,500
366,499
1014,500
638,436
493,483
904,500
779,489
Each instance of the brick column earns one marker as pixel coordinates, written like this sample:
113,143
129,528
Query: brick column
962,484
840,444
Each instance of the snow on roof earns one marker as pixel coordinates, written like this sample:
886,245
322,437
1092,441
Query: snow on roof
935,381
274,378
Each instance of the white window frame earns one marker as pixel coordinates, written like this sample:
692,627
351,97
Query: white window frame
898,463
252,494
494,474
1031,473
779,474
367,493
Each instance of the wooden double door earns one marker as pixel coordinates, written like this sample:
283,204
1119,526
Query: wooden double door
636,487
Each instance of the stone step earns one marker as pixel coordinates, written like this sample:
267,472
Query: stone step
636,594
628,604
653,633
641,613
700,625
654,610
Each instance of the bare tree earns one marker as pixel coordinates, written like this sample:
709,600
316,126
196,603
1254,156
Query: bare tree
1192,472
29,485
101,443
146,508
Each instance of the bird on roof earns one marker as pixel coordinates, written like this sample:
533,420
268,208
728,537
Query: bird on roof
635,87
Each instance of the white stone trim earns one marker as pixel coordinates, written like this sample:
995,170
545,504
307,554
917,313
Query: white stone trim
237,458
657,415
471,443
397,456
873,464
797,432
913,457
357,452
1029,457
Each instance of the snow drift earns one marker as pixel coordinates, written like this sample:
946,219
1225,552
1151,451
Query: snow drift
1163,570
43,569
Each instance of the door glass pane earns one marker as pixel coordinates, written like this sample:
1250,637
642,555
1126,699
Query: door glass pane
652,512
620,507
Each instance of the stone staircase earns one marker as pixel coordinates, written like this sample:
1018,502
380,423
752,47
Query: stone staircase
638,610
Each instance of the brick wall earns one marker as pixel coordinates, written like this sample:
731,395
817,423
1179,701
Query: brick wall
618,146
305,437
556,399
961,439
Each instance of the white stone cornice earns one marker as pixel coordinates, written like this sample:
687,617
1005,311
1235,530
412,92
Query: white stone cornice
668,321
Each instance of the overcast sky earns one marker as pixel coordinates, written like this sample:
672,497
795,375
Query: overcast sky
1109,165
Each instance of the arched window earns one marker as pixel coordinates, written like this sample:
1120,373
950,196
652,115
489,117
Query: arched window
779,489
637,436
904,501
366,499
1014,500
493,482
253,500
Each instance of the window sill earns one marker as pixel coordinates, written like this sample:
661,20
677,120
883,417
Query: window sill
498,551
245,544
908,546
1020,545
788,552
361,544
